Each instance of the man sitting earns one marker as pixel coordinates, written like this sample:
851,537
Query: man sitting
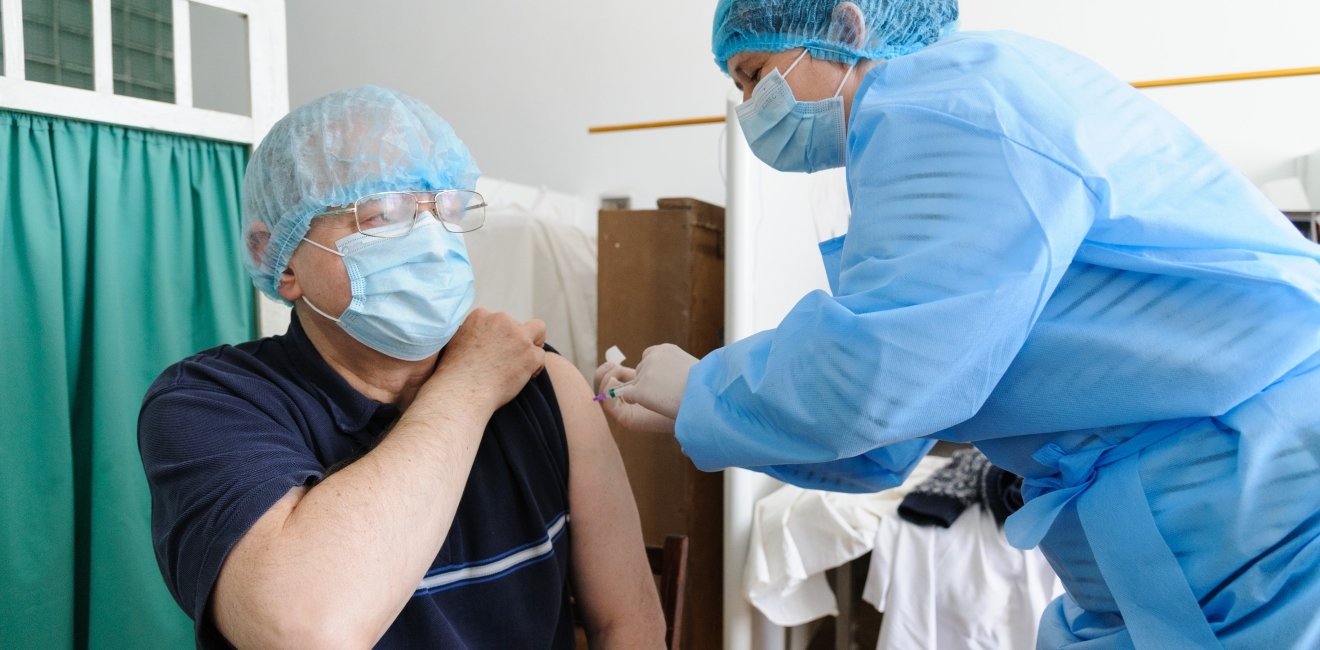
391,471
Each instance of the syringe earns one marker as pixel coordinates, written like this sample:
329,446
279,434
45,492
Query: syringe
610,393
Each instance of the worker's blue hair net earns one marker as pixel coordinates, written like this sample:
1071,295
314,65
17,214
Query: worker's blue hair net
893,27
333,150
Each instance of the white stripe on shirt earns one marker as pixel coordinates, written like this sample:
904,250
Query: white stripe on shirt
524,556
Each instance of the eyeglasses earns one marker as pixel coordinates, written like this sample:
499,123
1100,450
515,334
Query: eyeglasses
394,214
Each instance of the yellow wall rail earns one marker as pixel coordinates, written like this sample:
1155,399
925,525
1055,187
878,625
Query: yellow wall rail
1158,83
1238,76
656,125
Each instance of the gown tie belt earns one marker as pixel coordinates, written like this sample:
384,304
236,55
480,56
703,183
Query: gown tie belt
1136,563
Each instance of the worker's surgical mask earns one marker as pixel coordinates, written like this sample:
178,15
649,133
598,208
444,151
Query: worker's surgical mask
790,135
410,294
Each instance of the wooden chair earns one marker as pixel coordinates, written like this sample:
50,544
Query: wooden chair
669,567
669,564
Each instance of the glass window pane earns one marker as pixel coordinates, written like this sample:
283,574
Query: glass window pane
74,15
60,37
220,60
37,71
39,10
39,41
77,49
143,45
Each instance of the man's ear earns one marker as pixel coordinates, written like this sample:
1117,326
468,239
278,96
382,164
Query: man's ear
256,240
848,25
289,287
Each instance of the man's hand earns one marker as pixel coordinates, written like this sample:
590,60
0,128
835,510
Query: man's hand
490,359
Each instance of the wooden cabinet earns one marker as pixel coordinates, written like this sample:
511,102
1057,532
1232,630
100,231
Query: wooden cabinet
661,280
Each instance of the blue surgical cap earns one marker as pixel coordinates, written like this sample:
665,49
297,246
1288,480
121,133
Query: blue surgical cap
893,28
333,150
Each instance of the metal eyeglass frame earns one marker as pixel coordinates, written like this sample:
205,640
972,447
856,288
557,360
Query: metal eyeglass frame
435,196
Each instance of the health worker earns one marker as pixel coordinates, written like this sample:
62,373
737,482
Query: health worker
1043,262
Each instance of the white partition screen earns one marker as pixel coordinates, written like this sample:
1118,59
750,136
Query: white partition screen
773,224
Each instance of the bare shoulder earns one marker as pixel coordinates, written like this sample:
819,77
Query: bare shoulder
571,388
585,426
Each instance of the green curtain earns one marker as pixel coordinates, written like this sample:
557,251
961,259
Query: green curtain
119,255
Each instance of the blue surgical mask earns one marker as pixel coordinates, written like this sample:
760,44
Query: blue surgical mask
409,294
790,135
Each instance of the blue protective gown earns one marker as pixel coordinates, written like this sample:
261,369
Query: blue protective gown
1045,263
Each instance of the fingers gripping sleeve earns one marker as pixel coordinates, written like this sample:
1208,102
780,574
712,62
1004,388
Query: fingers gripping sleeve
958,237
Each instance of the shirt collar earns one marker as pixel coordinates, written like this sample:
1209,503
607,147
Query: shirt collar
351,410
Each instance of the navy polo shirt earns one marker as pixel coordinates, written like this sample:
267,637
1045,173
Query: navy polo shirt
227,432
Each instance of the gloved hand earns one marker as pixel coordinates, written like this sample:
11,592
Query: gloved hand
631,416
657,388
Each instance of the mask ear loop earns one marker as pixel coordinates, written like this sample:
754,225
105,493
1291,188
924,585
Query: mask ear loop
304,298
845,79
323,247
795,63
847,75
318,310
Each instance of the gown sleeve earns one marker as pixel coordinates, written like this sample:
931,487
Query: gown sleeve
958,237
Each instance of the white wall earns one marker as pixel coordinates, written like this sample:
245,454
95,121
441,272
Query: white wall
521,81
1260,126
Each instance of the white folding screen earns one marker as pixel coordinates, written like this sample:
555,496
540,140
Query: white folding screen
773,223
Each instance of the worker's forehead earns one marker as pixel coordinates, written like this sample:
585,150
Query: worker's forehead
747,59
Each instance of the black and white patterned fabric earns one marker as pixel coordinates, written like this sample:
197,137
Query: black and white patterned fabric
968,478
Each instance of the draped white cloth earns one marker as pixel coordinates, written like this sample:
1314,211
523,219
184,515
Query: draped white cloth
533,259
960,587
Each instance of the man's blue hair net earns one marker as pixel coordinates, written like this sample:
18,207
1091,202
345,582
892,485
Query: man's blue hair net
333,150
893,27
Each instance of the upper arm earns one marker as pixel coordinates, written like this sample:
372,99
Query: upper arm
215,464
611,576
242,570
